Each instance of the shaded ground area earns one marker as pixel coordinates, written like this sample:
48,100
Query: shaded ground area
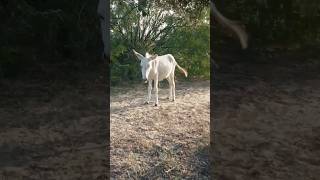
53,128
267,118
169,141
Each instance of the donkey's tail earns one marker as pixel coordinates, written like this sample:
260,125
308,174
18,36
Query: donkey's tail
231,24
182,70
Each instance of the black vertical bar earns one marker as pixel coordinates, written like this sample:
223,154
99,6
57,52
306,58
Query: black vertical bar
107,50
212,73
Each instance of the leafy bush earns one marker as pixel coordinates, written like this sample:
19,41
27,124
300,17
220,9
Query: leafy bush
152,29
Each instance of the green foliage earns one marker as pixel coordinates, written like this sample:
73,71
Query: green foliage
191,47
147,27
276,21
47,32
60,31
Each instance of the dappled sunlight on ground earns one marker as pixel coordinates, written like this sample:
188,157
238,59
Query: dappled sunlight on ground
266,121
166,141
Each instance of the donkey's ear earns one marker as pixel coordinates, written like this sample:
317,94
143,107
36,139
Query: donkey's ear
139,56
147,55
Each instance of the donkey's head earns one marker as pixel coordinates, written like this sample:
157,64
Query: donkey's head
145,63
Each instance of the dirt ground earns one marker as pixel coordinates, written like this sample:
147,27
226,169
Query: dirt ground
53,128
168,141
266,119
265,125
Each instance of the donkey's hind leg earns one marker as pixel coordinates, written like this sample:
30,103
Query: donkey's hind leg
170,87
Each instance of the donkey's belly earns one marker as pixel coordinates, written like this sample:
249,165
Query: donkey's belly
164,73
164,70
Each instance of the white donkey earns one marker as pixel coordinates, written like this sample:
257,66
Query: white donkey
157,68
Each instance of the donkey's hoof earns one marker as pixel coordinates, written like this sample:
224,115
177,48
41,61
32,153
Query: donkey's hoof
146,102
155,104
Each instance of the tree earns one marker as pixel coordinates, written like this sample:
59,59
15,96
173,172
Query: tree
277,21
148,26
142,28
102,12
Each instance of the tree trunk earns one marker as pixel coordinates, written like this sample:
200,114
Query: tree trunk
104,25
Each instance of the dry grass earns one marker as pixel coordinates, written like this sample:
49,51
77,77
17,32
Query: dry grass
266,121
169,141
53,130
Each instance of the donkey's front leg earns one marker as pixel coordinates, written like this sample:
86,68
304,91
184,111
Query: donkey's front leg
149,92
